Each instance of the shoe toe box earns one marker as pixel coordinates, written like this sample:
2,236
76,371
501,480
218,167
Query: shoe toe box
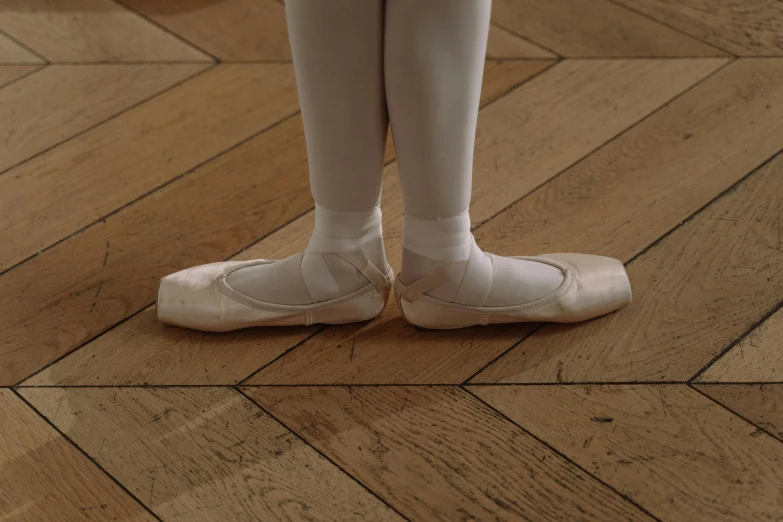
190,297
600,285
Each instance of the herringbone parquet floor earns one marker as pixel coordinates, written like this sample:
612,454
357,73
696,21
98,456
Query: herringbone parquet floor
143,136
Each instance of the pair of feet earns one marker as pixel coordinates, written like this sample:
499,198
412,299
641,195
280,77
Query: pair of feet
344,277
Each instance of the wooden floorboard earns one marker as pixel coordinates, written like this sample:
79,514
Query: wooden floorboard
140,137
44,477
205,454
12,52
672,450
230,30
594,28
13,73
503,44
761,404
758,357
137,152
742,28
697,290
61,101
90,31
441,444
665,345
496,146
360,353
241,30
271,168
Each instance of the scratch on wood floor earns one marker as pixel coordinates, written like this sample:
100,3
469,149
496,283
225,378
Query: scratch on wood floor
97,293
663,403
402,409
162,415
54,417
353,343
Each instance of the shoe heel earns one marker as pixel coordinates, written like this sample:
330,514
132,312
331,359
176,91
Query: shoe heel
426,313
398,300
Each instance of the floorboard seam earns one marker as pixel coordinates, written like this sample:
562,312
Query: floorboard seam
322,454
283,354
515,344
503,354
607,142
704,207
526,80
559,173
151,191
88,457
666,24
758,428
738,340
562,455
165,29
371,385
137,312
25,47
67,63
525,38
653,245
98,124
494,59
397,385
253,243
38,67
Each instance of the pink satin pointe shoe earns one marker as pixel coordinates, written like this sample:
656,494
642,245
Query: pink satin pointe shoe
592,286
206,298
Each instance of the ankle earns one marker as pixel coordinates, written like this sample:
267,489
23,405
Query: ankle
430,244
337,231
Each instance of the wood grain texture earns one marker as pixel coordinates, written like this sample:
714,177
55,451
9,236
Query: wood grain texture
523,140
227,29
90,31
60,101
501,76
268,188
701,287
44,477
557,118
503,43
439,454
740,27
594,28
12,73
136,152
205,454
11,52
235,30
762,404
756,358
110,271
672,450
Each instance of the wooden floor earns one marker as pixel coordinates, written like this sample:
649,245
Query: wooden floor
142,137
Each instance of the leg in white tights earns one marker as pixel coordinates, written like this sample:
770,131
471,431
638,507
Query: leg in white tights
429,55
337,47
434,58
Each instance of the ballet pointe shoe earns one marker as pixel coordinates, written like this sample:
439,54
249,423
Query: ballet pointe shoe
592,286
201,298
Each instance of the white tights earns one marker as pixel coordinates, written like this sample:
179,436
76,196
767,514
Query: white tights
361,64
